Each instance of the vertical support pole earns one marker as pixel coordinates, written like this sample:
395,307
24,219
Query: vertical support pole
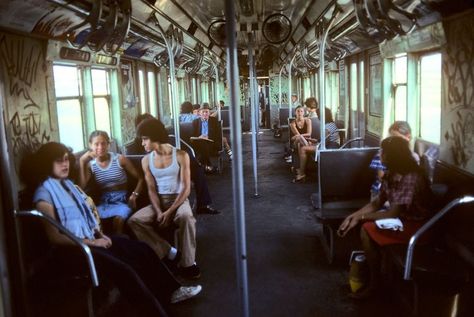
254,111
237,168
174,104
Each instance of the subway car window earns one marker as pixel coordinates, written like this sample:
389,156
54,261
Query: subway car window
152,97
400,88
142,88
101,93
67,83
430,97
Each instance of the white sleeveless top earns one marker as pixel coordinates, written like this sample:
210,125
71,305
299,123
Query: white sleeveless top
167,179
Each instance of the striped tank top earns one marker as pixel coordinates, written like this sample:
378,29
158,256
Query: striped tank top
167,179
112,175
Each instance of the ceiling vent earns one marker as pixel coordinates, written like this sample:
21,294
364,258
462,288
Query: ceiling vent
276,28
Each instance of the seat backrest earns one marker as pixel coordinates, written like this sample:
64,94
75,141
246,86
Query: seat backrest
225,119
186,131
344,174
315,128
283,116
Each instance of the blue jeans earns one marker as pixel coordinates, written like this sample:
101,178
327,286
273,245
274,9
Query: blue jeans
114,204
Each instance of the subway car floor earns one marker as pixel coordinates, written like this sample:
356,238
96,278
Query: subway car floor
288,273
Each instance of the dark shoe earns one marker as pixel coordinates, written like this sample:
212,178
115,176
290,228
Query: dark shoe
207,210
191,272
172,264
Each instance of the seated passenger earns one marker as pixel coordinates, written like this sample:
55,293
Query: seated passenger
198,177
398,128
196,108
407,190
187,112
167,176
207,128
300,128
109,171
311,105
332,141
131,265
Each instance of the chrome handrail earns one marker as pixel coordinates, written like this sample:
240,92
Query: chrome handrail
425,227
84,248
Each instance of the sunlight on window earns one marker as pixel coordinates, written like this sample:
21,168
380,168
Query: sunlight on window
66,81
152,94
430,98
401,103
141,82
70,124
400,70
99,82
102,114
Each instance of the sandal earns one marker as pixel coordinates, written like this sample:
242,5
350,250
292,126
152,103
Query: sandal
299,179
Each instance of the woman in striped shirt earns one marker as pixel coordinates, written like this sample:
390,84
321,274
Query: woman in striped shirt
109,171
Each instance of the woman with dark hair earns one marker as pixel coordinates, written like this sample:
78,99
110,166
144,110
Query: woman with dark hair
332,142
110,172
167,175
407,190
132,266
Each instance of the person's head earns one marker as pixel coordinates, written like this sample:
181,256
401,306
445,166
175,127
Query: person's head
196,108
53,159
397,156
99,142
400,128
294,97
186,107
299,111
204,111
327,114
152,131
221,103
142,117
311,103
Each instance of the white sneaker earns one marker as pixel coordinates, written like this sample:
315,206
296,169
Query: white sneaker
184,293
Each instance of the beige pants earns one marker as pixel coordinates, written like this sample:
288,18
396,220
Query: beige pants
143,224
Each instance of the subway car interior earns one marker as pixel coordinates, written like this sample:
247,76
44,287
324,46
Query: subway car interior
285,123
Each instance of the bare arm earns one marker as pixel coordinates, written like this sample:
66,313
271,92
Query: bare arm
151,186
131,170
293,129
84,170
185,178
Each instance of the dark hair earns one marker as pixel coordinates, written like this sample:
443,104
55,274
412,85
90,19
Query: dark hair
196,106
397,156
97,133
142,117
311,102
327,114
38,166
186,107
154,129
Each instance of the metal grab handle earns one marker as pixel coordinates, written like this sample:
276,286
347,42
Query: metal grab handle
425,227
351,141
84,248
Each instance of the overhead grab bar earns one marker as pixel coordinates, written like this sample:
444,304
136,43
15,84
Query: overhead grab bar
425,227
93,19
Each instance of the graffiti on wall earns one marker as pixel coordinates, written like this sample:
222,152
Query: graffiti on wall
24,68
458,72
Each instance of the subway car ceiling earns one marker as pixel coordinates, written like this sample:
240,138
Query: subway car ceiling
101,31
